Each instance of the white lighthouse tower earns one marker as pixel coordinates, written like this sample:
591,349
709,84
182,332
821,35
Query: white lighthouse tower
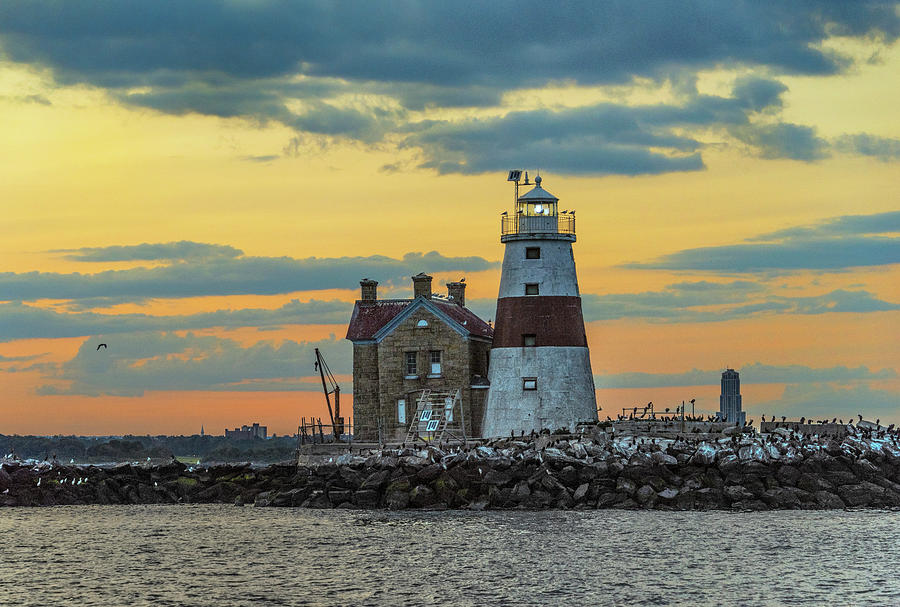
540,366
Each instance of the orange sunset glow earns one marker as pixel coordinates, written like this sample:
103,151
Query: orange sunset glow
206,200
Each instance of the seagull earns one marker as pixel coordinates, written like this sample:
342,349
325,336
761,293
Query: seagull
102,346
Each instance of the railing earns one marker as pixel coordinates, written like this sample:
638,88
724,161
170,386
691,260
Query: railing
537,224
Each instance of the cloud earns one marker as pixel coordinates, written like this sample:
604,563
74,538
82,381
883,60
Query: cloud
756,373
139,362
197,274
603,138
19,321
298,63
864,144
845,225
783,140
168,251
835,244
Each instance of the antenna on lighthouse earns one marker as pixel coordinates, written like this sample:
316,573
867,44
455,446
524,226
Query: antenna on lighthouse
515,175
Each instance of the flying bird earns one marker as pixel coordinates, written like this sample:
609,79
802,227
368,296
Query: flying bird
102,346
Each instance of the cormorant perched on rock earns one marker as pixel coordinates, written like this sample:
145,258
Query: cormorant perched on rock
860,416
802,420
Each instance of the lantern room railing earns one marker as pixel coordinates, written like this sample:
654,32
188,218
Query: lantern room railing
537,224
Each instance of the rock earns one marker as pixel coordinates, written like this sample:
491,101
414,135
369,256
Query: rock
644,495
862,494
580,493
626,486
705,455
668,494
397,499
318,499
609,498
813,483
377,479
429,473
366,498
828,500
339,496
497,477
5,479
788,475
568,476
737,493
421,496
663,458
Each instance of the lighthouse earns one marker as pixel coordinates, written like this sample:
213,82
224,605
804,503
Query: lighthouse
540,367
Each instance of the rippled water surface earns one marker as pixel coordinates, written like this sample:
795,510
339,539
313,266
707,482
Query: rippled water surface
224,555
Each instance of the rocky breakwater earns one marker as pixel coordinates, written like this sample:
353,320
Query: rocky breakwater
43,484
778,471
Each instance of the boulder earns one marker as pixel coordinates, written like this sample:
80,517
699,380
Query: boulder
644,495
626,486
828,501
366,498
580,493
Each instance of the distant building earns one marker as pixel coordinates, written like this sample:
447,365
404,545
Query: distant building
404,346
247,432
730,399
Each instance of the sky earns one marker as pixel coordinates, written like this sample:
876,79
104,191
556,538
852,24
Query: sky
201,185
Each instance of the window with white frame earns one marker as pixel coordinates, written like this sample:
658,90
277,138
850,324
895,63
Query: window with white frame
411,369
435,362
529,383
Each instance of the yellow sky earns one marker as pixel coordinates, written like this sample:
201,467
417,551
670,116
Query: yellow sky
84,170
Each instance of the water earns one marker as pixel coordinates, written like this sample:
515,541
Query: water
223,555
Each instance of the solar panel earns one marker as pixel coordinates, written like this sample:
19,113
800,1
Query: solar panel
514,175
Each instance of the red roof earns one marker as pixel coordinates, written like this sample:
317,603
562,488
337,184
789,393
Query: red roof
369,317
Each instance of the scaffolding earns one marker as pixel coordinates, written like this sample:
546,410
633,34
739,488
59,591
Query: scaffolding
439,418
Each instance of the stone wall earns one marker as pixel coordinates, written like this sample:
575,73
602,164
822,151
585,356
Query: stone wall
393,384
365,391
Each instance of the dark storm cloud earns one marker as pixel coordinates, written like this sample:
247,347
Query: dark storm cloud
198,275
839,243
445,44
600,139
249,59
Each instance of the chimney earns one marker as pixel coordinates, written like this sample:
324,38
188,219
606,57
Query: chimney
369,289
457,291
422,285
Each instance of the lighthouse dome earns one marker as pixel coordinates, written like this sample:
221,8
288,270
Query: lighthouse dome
538,193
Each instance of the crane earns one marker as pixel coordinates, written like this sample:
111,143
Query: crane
330,386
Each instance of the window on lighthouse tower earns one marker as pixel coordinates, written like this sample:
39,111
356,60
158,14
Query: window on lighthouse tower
531,288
